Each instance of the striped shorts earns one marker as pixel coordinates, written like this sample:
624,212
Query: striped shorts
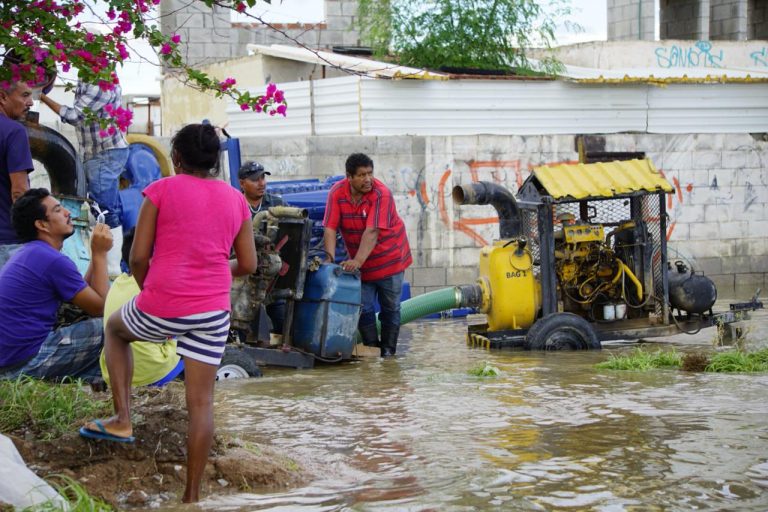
201,336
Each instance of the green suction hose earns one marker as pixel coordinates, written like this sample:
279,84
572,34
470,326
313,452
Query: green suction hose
435,302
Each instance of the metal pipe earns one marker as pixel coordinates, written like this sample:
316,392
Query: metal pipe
58,156
483,192
289,211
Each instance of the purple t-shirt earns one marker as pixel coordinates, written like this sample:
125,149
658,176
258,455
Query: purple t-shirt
33,284
14,157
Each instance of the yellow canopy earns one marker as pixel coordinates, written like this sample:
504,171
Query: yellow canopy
601,180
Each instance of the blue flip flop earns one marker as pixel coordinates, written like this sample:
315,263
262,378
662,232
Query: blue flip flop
103,434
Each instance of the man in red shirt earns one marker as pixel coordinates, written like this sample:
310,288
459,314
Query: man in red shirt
363,209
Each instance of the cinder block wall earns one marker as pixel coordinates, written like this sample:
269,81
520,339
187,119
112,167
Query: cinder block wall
631,20
209,36
718,213
757,16
728,20
684,19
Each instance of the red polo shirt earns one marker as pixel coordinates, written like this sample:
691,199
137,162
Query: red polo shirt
376,209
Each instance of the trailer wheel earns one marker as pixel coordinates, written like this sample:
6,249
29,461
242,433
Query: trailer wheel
236,364
562,331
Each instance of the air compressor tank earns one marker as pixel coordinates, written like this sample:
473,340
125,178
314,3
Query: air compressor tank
690,292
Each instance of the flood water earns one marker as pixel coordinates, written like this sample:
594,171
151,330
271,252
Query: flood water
551,433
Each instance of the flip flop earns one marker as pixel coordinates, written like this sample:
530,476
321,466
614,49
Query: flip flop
103,434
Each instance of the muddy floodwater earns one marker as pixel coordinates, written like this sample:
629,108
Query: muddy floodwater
550,433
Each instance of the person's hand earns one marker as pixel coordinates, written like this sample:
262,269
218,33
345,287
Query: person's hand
101,239
350,265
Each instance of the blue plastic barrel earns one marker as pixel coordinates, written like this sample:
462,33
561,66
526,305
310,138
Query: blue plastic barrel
325,320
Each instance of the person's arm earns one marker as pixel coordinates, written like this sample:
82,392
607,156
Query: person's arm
143,241
245,261
367,244
52,104
91,298
329,243
19,184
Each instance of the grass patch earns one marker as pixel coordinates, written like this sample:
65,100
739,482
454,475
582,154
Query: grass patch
77,498
733,361
739,362
485,369
48,409
641,360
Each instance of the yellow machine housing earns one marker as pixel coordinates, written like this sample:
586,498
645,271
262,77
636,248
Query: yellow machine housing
511,294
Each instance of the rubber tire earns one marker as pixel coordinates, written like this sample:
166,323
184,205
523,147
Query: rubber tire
562,331
236,364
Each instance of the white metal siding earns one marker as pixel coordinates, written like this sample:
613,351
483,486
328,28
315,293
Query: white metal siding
297,122
360,106
337,106
466,107
716,108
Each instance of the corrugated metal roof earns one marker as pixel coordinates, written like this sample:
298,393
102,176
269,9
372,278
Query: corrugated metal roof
601,180
357,65
661,76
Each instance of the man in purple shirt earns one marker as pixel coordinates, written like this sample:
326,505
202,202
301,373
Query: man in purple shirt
33,284
104,153
15,159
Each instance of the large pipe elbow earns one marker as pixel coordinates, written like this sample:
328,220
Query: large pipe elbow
483,192
59,158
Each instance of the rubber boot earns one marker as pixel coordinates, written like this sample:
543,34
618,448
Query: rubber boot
370,335
389,334
115,254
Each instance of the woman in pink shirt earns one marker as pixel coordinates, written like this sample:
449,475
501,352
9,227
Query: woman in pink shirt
180,258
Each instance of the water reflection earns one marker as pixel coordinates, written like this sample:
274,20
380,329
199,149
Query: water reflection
419,433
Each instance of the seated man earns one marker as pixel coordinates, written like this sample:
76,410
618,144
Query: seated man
34,283
154,364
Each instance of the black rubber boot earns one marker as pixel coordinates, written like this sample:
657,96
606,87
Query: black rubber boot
389,334
370,335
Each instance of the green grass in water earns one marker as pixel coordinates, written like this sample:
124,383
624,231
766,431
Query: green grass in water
641,360
737,361
733,361
49,409
78,499
485,370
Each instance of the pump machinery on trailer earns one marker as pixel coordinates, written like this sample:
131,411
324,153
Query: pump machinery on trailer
582,258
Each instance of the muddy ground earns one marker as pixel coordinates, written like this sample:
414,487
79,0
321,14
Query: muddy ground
151,471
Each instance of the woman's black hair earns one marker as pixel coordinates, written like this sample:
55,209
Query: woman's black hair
197,148
26,211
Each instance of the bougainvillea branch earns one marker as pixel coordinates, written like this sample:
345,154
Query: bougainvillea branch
39,37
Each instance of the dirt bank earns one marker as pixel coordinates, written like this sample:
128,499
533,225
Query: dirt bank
153,468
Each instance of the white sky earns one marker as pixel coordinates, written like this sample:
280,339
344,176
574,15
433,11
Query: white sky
139,77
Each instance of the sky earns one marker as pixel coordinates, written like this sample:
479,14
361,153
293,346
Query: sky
139,77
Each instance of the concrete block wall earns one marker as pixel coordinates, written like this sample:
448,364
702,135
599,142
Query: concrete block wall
718,213
728,20
209,36
757,16
684,19
631,20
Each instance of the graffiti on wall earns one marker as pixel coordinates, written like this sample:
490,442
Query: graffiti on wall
760,57
508,173
698,55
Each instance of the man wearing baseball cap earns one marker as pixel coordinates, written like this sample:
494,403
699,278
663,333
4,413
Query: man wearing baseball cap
253,183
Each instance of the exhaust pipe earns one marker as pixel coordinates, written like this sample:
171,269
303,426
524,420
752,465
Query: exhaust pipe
483,192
